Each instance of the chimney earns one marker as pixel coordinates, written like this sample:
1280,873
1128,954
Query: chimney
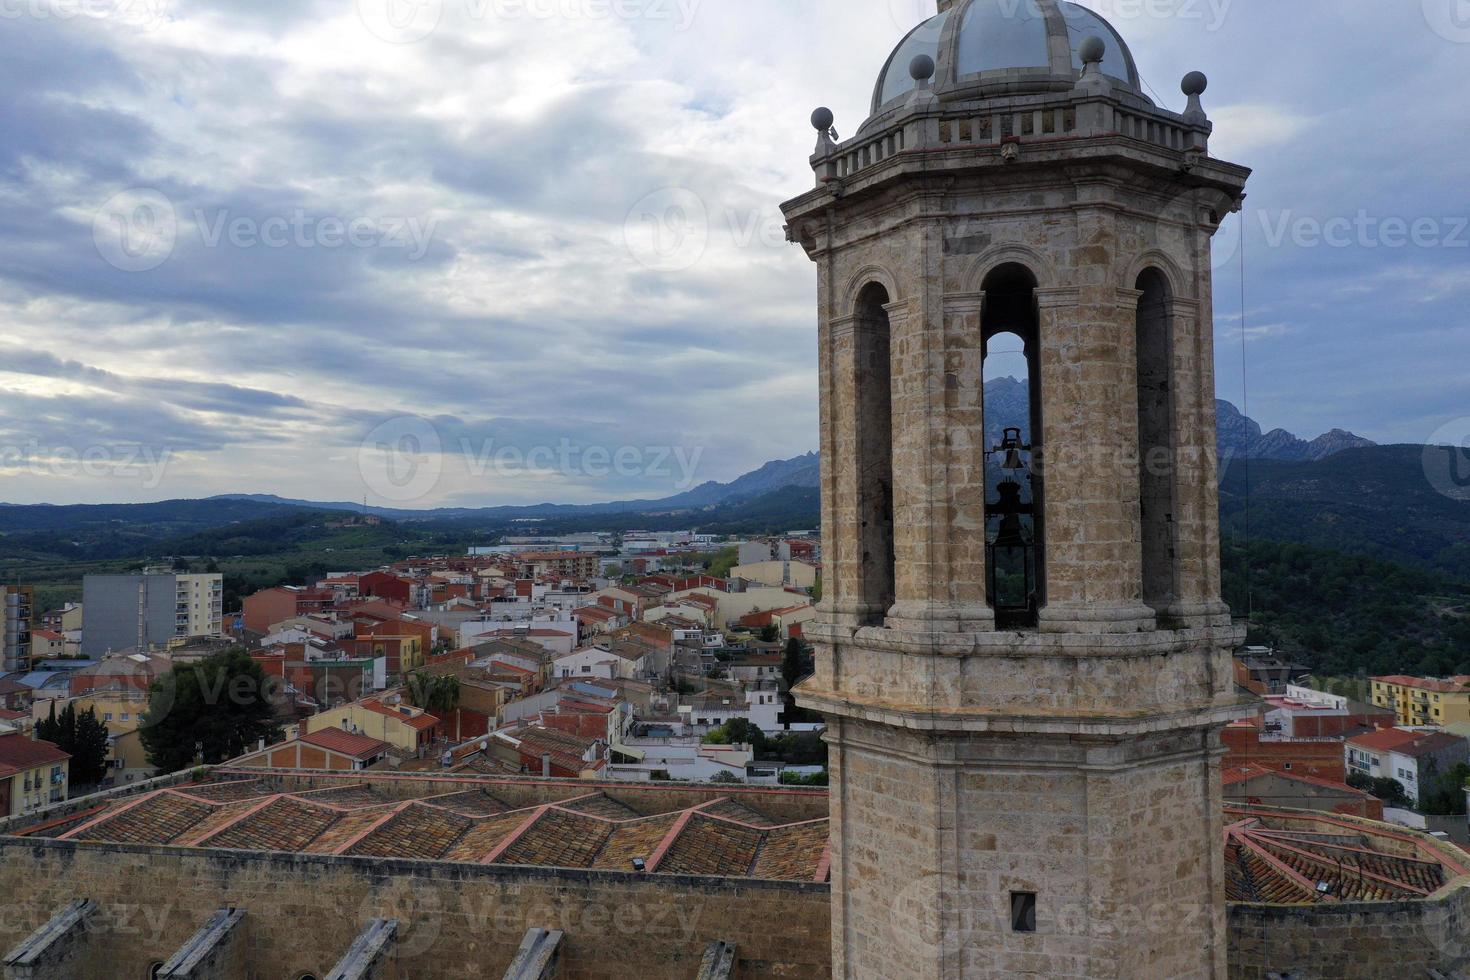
546,763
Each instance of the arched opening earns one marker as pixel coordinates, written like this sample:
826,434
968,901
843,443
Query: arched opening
1010,333
1156,449
874,408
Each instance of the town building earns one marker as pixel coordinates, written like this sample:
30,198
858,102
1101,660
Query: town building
799,574
1253,785
149,610
1424,700
262,611
17,607
326,749
33,774
1414,758
386,718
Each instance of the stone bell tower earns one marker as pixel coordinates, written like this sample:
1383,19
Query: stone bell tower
1022,652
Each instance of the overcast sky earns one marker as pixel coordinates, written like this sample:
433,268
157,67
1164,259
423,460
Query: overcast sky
242,239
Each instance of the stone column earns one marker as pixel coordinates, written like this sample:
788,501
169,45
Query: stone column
1089,455
939,479
1197,600
843,600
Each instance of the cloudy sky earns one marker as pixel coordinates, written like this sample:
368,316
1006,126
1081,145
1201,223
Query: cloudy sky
428,251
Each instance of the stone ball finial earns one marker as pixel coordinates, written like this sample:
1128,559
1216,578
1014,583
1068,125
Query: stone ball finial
921,69
1194,84
1093,50
822,119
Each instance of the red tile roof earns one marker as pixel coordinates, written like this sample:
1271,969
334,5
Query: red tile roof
1452,685
19,753
1404,742
577,828
1293,857
346,743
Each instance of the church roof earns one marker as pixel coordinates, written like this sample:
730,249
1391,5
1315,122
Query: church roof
579,827
1003,47
1296,857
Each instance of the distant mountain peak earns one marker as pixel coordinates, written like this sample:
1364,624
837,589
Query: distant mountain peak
1240,437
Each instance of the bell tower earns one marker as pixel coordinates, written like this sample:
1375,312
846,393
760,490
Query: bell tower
1022,653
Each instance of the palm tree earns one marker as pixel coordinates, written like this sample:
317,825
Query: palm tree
438,694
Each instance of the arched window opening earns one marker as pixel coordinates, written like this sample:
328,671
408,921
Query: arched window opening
1010,328
1156,449
874,405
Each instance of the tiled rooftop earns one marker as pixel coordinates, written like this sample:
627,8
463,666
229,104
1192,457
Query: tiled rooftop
578,826
1301,858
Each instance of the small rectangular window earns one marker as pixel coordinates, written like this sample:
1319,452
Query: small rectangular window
1023,911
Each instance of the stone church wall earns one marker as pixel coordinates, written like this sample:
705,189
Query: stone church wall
1353,941
303,912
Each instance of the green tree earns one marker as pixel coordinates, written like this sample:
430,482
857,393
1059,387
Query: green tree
793,663
47,729
438,694
217,709
89,751
738,731
770,634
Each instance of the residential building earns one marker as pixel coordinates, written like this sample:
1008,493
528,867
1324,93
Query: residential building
1414,758
386,717
607,662
263,611
17,607
149,610
33,774
1260,671
1306,713
778,573
1246,744
327,749
47,644
1254,785
1424,700
120,707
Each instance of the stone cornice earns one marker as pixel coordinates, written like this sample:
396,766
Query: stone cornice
959,304
1022,645
1058,297
1099,724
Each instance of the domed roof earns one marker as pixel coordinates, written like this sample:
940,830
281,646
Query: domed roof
1004,47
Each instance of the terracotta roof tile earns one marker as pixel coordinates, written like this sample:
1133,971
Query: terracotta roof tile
602,805
227,791
712,847
633,839
559,839
733,810
348,797
420,832
472,803
485,835
283,824
791,853
157,819
346,828
347,743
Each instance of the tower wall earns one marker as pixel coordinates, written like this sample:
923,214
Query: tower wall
1077,760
